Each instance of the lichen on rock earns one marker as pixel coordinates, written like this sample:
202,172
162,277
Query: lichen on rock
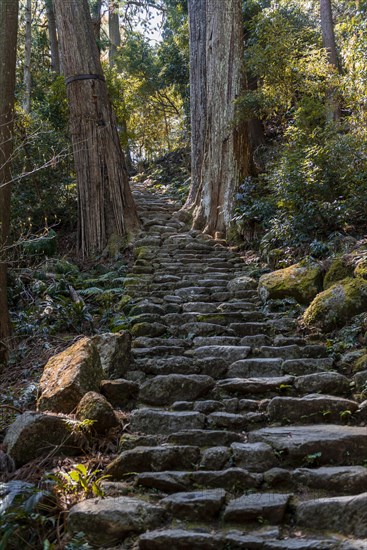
301,281
334,307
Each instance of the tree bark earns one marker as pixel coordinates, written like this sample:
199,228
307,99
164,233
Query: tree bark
328,38
8,47
27,57
198,100
96,20
106,205
223,161
328,35
52,34
113,31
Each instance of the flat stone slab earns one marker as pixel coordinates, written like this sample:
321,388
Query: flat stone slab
204,438
311,408
255,457
334,444
195,505
254,386
269,506
230,479
152,421
165,390
331,383
179,539
143,459
347,515
300,367
107,521
345,479
258,367
229,354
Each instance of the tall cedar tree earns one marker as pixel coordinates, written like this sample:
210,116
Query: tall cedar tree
220,145
106,205
8,48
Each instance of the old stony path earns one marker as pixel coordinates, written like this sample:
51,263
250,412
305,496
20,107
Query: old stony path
241,434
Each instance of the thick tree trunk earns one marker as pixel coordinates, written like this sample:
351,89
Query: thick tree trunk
27,57
226,148
106,205
8,46
52,34
198,101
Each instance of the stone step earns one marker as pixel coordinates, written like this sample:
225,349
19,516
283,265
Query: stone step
315,444
312,408
235,480
151,421
166,389
253,386
346,515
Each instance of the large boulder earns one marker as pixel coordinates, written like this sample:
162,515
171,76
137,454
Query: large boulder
335,306
340,268
36,434
69,375
93,406
115,352
301,281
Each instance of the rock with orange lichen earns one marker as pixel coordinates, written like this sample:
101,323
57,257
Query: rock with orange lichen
69,375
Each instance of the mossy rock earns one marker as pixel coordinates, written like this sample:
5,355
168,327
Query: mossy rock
340,268
361,269
360,364
334,307
302,281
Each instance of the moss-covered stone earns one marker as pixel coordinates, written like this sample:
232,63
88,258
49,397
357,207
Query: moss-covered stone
335,306
361,269
300,281
360,364
93,406
340,268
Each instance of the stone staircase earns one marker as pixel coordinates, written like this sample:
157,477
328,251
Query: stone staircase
241,434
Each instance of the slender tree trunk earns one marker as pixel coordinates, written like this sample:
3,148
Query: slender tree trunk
225,153
8,46
96,20
52,33
27,57
328,37
198,100
113,31
106,206
115,43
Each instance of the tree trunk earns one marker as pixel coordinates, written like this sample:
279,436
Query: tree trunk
96,20
27,57
8,46
198,101
328,35
225,153
115,42
328,38
113,31
106,205
52,33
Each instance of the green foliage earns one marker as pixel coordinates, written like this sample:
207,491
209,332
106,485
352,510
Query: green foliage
26,518
56,297
80,480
